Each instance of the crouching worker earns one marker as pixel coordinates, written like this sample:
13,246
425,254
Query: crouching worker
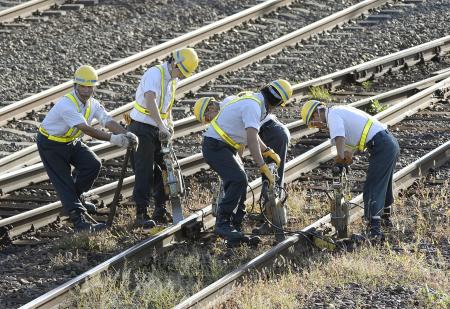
354,130
234,124
60,146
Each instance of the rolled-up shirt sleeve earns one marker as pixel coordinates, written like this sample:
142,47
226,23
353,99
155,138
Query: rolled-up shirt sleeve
102,115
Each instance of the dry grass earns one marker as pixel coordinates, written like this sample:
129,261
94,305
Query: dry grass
412,259
183,271
172,277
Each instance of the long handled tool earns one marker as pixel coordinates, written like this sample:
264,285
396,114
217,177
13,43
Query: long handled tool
113,206
173,180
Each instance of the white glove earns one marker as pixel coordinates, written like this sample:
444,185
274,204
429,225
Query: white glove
120,140
164,134
133,140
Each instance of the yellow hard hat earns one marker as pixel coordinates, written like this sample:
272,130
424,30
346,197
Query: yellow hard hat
186,60
283,90
308,109
86,76
200,107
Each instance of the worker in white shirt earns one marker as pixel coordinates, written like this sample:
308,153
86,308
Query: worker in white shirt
235,125
151,121
274,134
354,130
60,146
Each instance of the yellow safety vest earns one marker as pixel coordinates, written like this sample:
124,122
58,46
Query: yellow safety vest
362,141
221,132
161,98
69,135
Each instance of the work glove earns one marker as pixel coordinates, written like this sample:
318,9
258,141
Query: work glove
269,153
120,140
133,140
164,134
266,172
347,158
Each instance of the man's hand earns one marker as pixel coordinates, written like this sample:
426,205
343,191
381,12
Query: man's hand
164,134
266,172
133,140
347,160
120,140
269,153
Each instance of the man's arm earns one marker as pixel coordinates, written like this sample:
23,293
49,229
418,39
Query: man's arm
150,103
340,146
115,127
95,133
254,146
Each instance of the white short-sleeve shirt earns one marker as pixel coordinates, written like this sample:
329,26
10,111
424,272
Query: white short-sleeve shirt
151,81
237,117
65,115
349,122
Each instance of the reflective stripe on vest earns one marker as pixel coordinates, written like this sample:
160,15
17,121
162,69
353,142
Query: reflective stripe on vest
68,137
221,132
362,141
161,98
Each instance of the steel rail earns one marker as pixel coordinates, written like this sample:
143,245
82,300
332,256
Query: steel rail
38,101
294,169
36,173
41,216
223,287
27,9
431,50
19,109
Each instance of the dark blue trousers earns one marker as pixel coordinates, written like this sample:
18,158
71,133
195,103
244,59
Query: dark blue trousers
58,158
147,163
384,151
276,136
224,160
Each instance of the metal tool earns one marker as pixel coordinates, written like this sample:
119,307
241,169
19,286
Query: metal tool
173,180
339,206
274,205
113,206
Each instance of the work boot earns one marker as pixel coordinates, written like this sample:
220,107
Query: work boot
161,215
375,229
142,218
225,230
79,222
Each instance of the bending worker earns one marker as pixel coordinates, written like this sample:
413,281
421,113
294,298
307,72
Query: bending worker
352,130
60,146
151,121
235,125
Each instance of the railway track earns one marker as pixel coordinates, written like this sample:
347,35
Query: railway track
184,125
13,181
306,162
